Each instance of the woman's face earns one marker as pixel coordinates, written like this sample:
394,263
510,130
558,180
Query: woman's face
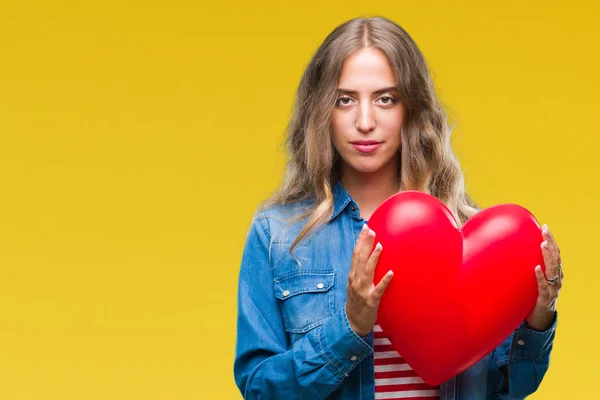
367,116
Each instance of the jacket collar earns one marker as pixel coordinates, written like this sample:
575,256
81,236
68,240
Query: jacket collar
341,200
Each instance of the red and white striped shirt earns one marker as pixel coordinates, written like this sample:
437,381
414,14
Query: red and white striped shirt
394,378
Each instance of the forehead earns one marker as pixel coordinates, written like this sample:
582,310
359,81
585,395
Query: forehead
366,69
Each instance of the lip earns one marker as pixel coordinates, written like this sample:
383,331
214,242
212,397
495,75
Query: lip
366,146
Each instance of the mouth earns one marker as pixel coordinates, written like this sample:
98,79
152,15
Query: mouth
366,146
366,142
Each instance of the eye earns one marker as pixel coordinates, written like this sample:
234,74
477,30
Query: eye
387,100
343,101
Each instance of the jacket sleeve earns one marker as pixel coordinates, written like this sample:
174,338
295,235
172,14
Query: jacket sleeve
520,362
267,365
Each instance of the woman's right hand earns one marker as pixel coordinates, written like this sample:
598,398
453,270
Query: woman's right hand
362,298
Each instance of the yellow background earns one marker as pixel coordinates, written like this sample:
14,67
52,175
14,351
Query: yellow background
137,138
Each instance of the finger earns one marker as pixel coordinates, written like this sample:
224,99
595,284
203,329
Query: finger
360,242
550,260
553,289
372,263
367,248
543,290
552,245
550,237
557,287
552,294
382,285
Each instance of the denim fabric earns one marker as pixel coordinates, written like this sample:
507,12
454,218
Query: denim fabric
294,340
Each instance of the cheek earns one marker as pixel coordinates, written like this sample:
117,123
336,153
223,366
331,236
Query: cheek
338,126
392,123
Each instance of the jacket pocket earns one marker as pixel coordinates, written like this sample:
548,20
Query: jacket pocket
306,299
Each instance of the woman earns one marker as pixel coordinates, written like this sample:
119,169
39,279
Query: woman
366,125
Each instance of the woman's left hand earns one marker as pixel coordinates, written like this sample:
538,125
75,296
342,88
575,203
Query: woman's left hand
549,284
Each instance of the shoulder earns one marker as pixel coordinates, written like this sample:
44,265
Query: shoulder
272,232
278,221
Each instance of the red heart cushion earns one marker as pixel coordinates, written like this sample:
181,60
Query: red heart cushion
456,293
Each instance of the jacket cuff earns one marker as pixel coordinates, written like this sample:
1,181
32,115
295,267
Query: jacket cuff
530,344
342,347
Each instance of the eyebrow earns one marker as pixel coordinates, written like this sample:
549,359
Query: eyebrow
380,91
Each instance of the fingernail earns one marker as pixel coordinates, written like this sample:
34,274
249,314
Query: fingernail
545,244
378,247
371,233
364,228
390,273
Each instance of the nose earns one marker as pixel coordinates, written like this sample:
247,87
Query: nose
365,120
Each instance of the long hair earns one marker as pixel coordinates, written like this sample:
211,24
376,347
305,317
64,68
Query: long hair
427,162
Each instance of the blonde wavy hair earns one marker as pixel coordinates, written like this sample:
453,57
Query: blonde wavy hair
427,162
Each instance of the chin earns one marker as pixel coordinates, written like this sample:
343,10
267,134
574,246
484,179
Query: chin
366,167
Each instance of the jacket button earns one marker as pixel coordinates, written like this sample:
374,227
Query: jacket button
353,358
520,342
320,286
286,293
353,208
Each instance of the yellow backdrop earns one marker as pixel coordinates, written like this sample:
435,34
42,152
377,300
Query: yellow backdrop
137,138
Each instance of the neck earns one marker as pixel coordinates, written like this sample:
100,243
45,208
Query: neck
369,190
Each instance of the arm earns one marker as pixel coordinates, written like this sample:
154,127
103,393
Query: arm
266,364
520,362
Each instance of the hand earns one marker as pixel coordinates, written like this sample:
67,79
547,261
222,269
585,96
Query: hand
362,300
549,284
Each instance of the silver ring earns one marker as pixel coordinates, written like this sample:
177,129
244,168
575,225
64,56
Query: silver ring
552,281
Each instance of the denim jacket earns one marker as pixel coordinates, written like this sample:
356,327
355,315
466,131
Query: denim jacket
294,340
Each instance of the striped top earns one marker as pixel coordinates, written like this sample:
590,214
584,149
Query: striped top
394,378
